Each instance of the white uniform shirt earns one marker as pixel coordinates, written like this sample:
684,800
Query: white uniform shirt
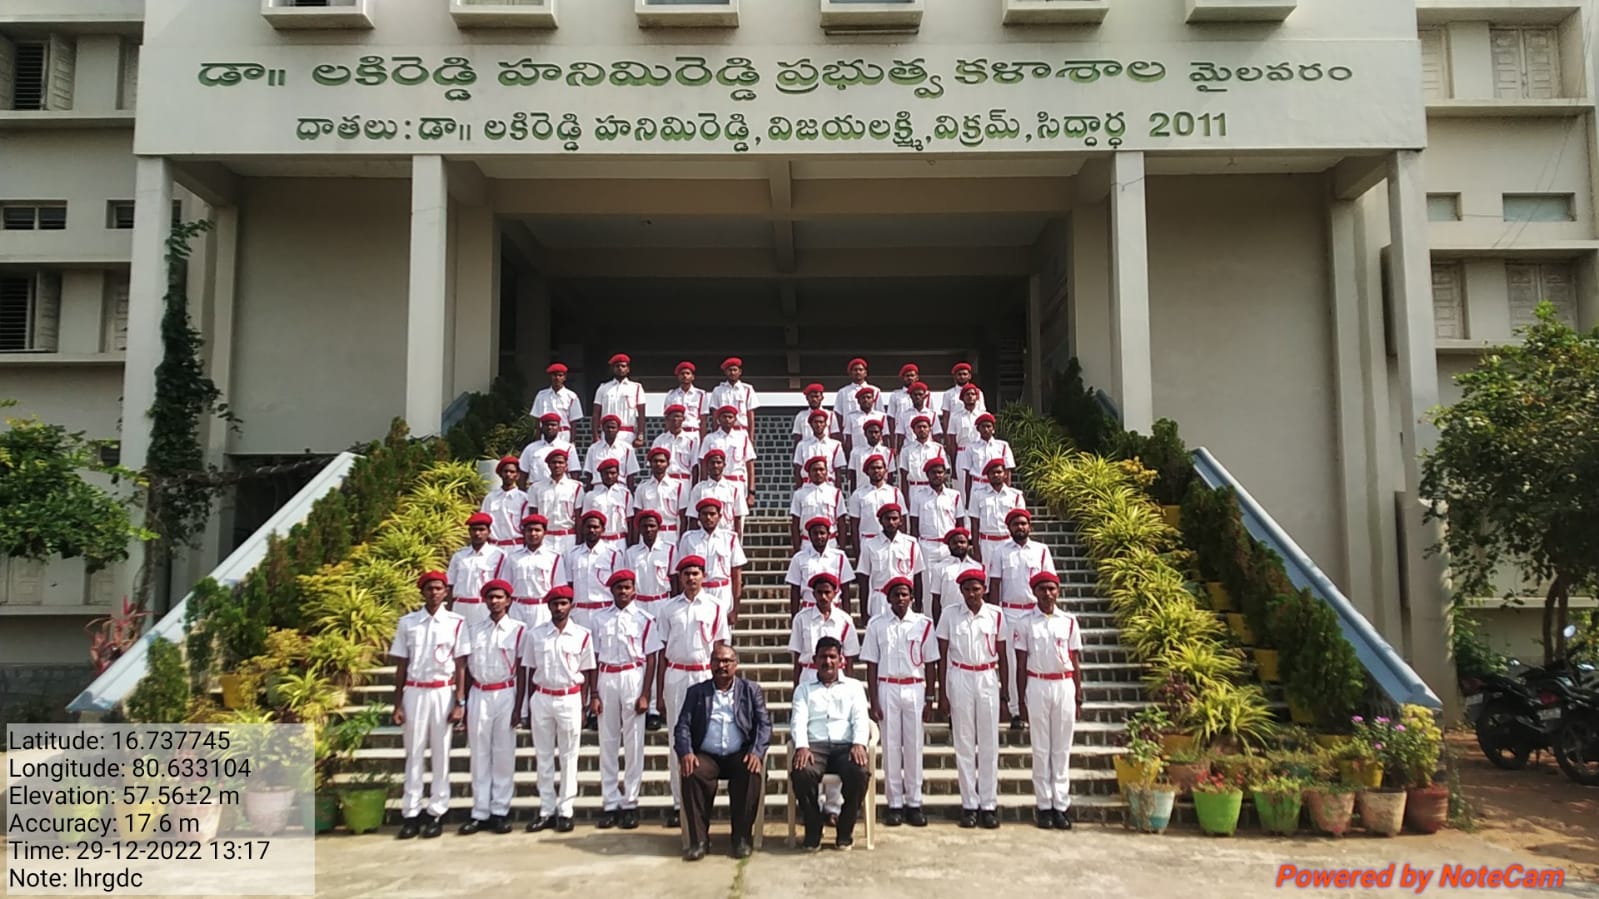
913,459
587,570
809,626
906,411
974,637
944,584
808,563
951,401
866,500
890,405
687,630
810,447
563,404
830,713
507,508
1015,564
652,567
621,399
495,650
695,406
735,445
471,568
939,513
883,559
802,422
685,449
532,574
721,550
614,502
430,644
741,396
863,451
855,425
844,400
538,472
976,455
900,646
990,506
963,425
558,657
663,497
557,501
1048,640
812,500
621,636
730,493
621,451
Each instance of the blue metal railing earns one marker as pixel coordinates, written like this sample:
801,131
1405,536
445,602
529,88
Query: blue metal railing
454,412
1391,672
1107,404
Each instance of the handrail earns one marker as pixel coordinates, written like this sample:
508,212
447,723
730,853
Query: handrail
116,682
1391,672
1107,405
455,412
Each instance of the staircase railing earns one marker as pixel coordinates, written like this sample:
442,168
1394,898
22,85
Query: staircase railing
116,682
1391,672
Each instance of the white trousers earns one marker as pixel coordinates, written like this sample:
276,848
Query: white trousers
1051,714
557,724
876,604
974,723
561,543
676,688
934,552
493,744
427,729
473,612
621,728
902,741
1014,706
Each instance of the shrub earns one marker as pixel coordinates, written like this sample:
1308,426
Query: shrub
162,695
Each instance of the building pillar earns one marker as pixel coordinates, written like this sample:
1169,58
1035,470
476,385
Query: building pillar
477,322
1426,590
1131,360
426,323
1035,342
218,329
147,288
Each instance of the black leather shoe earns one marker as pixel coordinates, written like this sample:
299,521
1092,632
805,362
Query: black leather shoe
538,824
844,844
409,829
471,826
502,824
813,841
434,827
1045,819
1015,722
894,818
968,818
1063,821
989,819
607,820
914,816
564,825
673,819
653,721
694,853
742,849
629,819
591,722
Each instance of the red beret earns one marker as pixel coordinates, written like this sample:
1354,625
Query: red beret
984,417
554,454
866,391
562,592
622,574
1014,514
610,418
819,413
555,368
819,521
477,518
506,460
813,460
870,420
917,418
868,460
936,460
683,366
675,407
854,362
496,584
731,361
691,562
709,502
815,388
608,463
822,577
993,464
888,507
439,576
957,532
537,519
640,515
593,513
552,416
620,357
919,385
727,407
1044,577
970,388
908,367
659,451
971,574
961,366
715,453
897,582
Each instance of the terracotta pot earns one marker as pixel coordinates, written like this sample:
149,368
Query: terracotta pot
1330,812
1185,775
1382,812
1267,664
1427,808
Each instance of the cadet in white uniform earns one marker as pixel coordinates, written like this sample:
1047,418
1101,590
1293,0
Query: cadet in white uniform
815,395
429,652
845,400
819,555
535,454
736,447
916,403
892,553
661,493
506,504
1010,570
1049,660
613,500
722,489
695,402
498,685
823,619
557,399
973,460
951,399
611,446
939,511
901,655
914,456
991,503
854,419
559,656
534,568
819,443
815,498
588,566
723,555
962,426
871,444
472,566
685,633
557,500
865,503
683,446
653,561
944,577
626,671
734,392
623,398
972,670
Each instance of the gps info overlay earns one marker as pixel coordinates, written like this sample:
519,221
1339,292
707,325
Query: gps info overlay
159,809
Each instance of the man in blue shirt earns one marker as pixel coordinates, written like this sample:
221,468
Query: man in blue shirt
722,733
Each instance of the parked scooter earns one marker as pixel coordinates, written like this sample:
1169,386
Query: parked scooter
1576,741
1521,713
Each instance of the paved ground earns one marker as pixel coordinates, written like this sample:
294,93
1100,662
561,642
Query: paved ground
1536,810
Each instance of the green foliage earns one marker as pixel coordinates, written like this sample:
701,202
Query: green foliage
162,695
337,742
1515,473
1319,667
489,419
1231,712
48,508
1077,410
1474,657
1166,455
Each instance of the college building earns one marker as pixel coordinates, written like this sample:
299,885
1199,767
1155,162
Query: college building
1286,224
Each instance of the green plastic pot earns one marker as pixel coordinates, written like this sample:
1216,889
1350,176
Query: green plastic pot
327,810
1218,812
363,809
1279,812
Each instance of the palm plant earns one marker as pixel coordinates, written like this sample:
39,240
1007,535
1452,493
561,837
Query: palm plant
1205,664
1161,629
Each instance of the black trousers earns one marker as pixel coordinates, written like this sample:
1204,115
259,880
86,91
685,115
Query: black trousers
829,758
699,794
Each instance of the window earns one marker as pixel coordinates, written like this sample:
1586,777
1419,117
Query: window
128,88
119,215
1046,12
1532,283
30,313
116,306
317,13
33,216
1435,63
1443,207
871,15
503,13
28,74
1539,208
1448,301
1240,10
1526,63
667,13
37,74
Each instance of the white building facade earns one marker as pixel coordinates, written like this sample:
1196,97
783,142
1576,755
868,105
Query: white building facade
1283,223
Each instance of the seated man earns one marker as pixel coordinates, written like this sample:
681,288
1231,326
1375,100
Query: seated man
723,732
831,725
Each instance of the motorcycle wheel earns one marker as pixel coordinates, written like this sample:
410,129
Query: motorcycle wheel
1577,748
1496,728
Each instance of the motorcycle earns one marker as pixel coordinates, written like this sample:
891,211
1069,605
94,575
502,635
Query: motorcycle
1576,741
1523,714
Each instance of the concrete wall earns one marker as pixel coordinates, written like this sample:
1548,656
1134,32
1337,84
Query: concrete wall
102,170
319,360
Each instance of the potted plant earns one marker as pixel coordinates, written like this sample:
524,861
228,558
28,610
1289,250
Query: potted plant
1149,805
1140,765
1278,800
1382,807
1218,799
1239,625
363,799
336,745
1185,767
275,756
1175,697
1415,745
1229,717
1331,801
1360,758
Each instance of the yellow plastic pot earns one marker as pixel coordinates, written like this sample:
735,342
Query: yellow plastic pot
232,691
1240,628
1220,601
1132,774
1171,744
1361,774
1173,515
1298,714
1267,664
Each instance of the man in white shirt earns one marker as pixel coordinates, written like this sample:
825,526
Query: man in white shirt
559,656
557,399
472,566
625,669
990,504
815,499
613,500
891,554
610,446
819,443
1049,665
534,568
973,460
429,652
871,443
951,399
683,447
814,395
623,398
915,455
1011,568
588,566
661,493
685,633
653,561
819,555
901,656
939,511
557,500
506,504
723,555
535,454
722,489
945,586
916,403
961,428
734,392
695,402
498,684
972,670
831,727
736,447
867,502
845,400
854,419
